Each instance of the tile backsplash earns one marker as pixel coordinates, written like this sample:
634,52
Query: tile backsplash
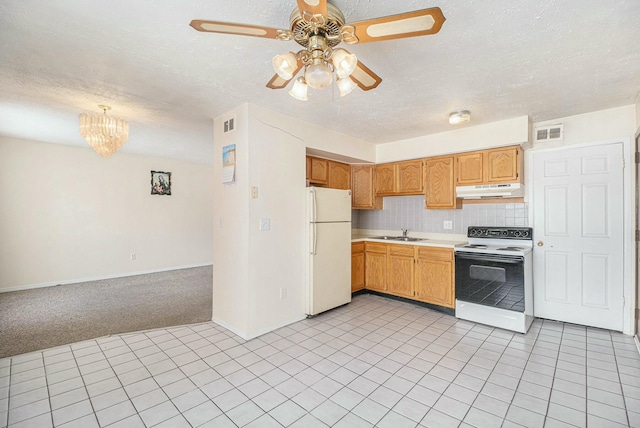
409,212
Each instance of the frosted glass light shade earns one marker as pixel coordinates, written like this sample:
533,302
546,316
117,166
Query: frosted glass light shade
285,65
344,62
318,75
346,85
459,117
103,133
299,90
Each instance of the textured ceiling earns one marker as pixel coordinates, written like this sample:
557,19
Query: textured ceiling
500,59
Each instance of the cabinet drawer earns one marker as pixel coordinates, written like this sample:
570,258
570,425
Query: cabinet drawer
375,247
357,247
401,250
443,254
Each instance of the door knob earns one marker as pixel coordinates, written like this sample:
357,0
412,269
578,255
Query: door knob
540,243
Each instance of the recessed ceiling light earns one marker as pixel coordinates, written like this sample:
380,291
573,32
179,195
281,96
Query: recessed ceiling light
459,117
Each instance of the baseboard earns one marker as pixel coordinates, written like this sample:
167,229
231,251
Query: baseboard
98,278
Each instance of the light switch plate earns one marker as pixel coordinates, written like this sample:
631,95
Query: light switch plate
265,224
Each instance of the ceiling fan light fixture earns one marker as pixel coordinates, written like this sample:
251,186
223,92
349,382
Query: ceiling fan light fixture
318,75
343,62
103,133
285,65
459,117
299,90
346,85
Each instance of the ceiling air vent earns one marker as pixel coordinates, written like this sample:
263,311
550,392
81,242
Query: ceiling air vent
549,133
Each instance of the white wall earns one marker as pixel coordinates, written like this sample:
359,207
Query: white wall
251,266
495,134
69,215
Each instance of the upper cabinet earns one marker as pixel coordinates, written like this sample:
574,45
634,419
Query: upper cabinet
325,172
399,178
317,170
362,188
339,175
489,166
440,190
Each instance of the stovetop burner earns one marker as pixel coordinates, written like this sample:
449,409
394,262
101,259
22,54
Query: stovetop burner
475,246
511,249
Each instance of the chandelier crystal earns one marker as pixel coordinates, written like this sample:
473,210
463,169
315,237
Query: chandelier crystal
103,133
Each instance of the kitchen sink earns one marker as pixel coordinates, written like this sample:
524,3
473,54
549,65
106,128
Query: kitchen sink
399,238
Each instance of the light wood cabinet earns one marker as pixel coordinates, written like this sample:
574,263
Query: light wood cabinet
362,188
385,177
339,175
434,278
375,266
493,166
503,165
317,170
399,178
411,271
400,263
357,266
440,185
470,170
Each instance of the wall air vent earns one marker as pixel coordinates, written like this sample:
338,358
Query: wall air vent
229,125
544,134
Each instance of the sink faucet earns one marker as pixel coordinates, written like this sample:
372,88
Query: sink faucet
404,232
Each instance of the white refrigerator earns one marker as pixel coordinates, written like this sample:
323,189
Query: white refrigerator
329,247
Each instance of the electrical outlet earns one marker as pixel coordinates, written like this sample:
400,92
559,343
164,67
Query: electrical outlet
448,225
133,256
265,224
254,192
283,293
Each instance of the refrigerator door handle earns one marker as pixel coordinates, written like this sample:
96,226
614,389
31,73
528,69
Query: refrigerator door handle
315,226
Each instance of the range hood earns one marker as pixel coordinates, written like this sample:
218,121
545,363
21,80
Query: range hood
508,190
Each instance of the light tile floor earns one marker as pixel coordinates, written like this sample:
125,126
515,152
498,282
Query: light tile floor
375,362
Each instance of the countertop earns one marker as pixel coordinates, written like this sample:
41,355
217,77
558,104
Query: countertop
432,240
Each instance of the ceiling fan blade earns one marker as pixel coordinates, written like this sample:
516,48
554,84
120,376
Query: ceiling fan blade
364,77
238,29
313,7
410,24
278,82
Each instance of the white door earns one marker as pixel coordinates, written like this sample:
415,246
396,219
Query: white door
578,235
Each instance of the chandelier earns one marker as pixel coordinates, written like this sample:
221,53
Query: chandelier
320,62
103,133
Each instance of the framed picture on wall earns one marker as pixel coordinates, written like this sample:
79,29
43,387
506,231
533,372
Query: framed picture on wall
160,183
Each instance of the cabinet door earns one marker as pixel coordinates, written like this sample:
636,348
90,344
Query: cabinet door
434,278
400,265
375,261
308,168
362,196
339,175
385,179
319,171
410,177
440,190
469,168
357,266
503,165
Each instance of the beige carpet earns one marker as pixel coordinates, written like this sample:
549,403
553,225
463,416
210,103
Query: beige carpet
46,317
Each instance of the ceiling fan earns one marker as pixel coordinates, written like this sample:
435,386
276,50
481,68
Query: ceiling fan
319,27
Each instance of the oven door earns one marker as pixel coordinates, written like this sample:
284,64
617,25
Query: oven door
490,280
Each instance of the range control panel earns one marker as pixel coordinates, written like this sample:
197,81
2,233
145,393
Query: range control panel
500,232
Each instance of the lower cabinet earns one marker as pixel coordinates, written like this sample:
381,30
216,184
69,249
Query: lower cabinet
357,266
411,271
375,266
433,281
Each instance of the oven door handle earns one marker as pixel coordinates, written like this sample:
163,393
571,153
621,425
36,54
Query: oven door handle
489,257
